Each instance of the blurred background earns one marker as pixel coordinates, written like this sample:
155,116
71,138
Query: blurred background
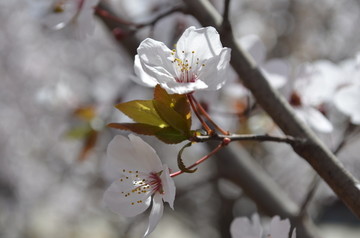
58,93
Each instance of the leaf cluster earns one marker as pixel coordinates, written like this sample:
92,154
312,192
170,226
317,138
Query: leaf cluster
167,116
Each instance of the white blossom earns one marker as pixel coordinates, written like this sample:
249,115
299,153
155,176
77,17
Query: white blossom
347,98
75,16
142,180
199,62
242,227
312,91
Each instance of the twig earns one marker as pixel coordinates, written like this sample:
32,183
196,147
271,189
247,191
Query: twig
214,151
207,116
203,123
234,137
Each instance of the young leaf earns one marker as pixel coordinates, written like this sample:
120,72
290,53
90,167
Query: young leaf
142,111
171,117
139,128
169,135
177,102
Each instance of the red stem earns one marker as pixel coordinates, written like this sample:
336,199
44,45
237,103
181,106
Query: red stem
207,116
193,106
222,144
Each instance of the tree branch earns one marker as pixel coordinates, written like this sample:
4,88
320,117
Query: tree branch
314,152
235,137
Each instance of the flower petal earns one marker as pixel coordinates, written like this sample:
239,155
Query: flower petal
183,88
156,60
157,210
279,228
145,155
347,100
205,42
117,199
121,155
215,70
168,187
143,78
241,227
317,120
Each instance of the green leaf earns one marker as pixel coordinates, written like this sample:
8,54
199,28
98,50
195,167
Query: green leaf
142,111
181,164
169,135
182,106
171,117
174,109
140,128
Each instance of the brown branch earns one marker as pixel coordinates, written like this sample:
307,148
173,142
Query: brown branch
225,25
234,137
314,151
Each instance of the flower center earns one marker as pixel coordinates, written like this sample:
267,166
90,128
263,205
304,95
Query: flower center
186,65
295,99
142,183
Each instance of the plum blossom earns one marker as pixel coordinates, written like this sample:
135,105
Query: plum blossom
199,62
242,227
347,98
276,71
75,16
313,90
142,180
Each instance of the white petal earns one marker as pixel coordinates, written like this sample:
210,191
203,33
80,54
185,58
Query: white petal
279,228
156,60
214,73
293,233
157,210
116,201
347,100
204,41
241,227
143,78
183,88
168,187
254,46
121,155
145,155
317,120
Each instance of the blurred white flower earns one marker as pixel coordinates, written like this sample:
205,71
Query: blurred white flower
141,176
312,90
242,227
75,16
276,71
199,62
347,98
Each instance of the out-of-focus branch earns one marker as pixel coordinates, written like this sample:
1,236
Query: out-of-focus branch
226,22
238,166
314,152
